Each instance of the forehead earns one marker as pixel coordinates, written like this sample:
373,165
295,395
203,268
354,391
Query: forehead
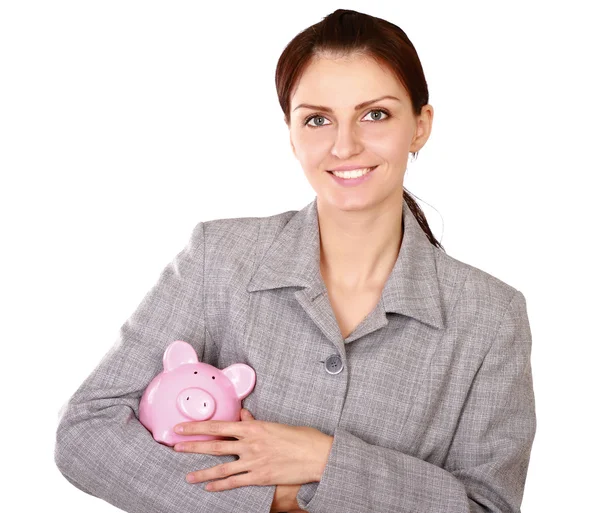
338,81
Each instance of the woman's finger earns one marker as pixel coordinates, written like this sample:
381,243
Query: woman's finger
246,415
233,482
225,470
216,447
213,427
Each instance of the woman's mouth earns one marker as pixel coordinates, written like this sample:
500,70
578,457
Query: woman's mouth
354,177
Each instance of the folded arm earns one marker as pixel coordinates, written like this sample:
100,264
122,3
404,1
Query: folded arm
102,448
486,465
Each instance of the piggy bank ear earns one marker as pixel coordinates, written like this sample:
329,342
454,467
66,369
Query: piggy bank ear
243,378
178,353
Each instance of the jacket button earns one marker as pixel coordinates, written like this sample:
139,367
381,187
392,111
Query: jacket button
334,364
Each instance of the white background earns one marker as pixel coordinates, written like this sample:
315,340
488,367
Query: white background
123,124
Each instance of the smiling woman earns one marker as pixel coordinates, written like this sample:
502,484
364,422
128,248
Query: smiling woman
389,375
329,120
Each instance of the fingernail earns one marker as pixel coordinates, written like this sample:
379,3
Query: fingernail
178,429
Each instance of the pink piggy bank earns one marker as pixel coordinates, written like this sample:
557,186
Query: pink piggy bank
188,390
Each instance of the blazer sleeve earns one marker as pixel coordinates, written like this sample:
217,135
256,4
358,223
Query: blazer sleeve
487,461
102,448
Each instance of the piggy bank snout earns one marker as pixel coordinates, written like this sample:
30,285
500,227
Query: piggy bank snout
196,403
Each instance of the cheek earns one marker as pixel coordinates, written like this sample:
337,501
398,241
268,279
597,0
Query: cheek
311,149
388,146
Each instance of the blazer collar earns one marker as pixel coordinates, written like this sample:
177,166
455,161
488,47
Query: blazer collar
412,289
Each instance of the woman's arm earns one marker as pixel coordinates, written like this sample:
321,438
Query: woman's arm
486,464
103,449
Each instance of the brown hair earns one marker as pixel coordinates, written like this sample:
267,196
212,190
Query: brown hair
346,32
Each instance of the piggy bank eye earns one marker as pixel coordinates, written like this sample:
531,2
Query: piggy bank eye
213,377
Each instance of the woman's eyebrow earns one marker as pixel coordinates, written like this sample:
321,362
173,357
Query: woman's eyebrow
358,107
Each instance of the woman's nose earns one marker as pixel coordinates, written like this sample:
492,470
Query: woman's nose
347,142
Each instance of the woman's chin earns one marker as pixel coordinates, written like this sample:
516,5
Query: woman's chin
349,202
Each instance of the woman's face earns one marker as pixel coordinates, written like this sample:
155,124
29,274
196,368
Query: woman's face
379,134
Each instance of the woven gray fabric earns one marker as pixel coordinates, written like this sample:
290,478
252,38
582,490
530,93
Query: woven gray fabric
433,410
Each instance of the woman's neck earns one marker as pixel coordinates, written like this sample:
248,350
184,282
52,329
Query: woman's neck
359,249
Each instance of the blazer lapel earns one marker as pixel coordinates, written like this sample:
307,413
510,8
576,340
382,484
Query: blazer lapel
293,260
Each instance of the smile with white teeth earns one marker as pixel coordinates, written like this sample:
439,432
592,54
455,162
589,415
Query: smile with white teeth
355,173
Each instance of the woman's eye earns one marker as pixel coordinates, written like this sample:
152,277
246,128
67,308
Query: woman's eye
379,116
318,117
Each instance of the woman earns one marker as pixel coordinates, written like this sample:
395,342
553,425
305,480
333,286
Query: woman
390,376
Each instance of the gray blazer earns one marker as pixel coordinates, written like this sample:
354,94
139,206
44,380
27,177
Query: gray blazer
429,400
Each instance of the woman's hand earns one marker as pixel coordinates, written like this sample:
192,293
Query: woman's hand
269,453
284,499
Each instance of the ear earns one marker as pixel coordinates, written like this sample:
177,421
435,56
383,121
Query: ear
178,353
423,129
243,378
